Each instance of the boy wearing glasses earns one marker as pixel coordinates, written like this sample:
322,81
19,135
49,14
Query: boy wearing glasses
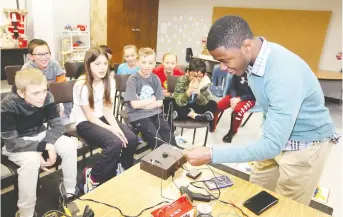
192,97
23,112
39,58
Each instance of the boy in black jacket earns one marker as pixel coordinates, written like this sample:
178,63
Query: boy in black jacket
23,112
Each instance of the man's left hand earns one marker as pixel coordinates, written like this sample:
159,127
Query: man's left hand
198,156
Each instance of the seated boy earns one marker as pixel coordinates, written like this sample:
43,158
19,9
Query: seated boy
23,112
143,100
192,98
39,55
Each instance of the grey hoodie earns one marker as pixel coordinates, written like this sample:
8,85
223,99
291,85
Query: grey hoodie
20,120
51,72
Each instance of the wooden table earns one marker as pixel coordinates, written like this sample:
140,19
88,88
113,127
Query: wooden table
135,190
328,75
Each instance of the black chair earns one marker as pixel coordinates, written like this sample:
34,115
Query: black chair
115,67
11,71
120,88
189,124
74,69
63,92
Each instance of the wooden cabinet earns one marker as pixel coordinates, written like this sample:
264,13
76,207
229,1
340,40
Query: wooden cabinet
131,22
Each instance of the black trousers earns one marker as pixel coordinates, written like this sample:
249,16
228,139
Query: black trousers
155,126
183,111
112,149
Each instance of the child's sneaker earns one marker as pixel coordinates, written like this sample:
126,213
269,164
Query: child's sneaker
207,116
120,168
175,115
140,138
68,198
90,184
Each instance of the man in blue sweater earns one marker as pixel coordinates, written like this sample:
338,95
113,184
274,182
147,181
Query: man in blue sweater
298,132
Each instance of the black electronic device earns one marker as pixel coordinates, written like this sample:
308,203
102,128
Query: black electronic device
260,202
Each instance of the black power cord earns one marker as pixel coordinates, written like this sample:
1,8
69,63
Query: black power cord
114,207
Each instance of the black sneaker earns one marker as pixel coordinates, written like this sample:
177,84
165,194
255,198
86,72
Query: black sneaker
175,115
209,116
68,198
228,137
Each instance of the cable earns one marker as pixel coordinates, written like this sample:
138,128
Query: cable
219,193
114,207
159,126
162,181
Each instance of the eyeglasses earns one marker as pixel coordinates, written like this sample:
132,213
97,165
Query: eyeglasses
40,55
196,75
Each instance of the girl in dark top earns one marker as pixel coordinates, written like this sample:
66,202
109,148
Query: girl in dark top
240,99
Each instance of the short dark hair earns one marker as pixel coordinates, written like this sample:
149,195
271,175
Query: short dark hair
197,65
229,32
106,49
34,43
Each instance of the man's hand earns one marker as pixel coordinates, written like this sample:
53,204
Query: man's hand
234,101
198,156
52,153
119,133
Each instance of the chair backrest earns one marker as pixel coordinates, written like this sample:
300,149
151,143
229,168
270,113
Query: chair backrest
218,81
74,69
182,67
11,71
171,83
63,91
227,84
115,67
121,82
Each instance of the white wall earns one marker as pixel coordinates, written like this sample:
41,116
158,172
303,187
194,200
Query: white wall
43,20
72,12
183,23
47,18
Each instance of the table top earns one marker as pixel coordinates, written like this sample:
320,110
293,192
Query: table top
328,75
135,190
